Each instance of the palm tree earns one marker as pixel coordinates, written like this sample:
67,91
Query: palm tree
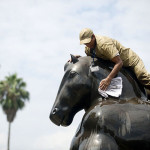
12,98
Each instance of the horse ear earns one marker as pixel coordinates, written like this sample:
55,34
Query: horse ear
74,59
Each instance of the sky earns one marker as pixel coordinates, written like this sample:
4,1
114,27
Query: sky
37,38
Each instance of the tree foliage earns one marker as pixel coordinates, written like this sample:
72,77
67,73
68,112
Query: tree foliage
12,95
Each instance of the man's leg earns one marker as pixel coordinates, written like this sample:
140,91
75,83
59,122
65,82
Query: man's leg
142,74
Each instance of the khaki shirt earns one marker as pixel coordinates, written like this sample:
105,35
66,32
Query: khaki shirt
107,48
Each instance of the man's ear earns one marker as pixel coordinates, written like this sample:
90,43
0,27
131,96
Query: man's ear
93,36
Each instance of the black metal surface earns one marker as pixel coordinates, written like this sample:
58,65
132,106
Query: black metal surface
116,123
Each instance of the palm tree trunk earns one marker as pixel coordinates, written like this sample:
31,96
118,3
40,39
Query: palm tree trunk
8,135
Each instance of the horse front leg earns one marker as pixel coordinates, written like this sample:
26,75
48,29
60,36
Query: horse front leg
93,141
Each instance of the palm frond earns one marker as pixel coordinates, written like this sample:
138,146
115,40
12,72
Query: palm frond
13,94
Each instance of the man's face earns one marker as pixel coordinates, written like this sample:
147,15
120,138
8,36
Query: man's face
92,43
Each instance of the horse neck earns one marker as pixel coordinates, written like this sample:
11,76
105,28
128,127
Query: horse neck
94,97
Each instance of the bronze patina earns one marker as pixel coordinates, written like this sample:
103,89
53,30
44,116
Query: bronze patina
108,124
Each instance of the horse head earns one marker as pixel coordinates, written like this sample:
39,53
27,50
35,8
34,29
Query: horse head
79,88
73,91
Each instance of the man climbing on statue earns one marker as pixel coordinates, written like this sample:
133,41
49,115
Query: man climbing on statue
110,49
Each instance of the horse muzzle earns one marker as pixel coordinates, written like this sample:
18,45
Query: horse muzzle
60,117
56,117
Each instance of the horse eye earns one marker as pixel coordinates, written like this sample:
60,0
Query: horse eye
72,74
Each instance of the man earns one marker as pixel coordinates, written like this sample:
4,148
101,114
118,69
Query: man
110,49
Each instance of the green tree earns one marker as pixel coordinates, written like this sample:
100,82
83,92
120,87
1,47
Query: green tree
12,98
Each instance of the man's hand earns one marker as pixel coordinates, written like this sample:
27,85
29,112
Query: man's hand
118,64
104,84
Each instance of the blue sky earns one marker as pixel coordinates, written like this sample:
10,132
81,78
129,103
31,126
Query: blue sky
36,39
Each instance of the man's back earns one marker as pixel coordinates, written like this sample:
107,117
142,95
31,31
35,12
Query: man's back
107,48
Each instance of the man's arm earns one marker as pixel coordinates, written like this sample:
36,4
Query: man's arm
118,65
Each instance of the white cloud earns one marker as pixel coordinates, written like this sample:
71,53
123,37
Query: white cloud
36,40
3,142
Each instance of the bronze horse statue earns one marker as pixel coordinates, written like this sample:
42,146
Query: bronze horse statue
121,123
